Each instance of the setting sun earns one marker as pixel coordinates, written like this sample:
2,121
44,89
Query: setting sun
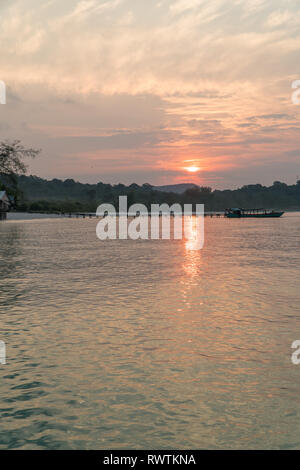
192,169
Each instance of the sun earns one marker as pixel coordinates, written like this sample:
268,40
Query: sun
192,169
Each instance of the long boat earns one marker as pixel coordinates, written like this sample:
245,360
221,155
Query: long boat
236,213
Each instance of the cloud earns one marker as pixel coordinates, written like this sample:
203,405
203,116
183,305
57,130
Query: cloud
88,46
280,18
180,79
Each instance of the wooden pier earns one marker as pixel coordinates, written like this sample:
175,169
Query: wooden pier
91,215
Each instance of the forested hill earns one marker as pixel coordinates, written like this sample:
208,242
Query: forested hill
41,194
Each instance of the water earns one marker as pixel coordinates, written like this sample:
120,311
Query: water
146,344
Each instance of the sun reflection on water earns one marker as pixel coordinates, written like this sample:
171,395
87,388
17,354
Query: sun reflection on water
192,234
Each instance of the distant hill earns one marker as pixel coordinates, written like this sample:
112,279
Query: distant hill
175,188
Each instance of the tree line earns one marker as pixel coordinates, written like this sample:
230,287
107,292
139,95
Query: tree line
37,194
69,195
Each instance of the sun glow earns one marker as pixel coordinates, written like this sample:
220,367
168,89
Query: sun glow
192,169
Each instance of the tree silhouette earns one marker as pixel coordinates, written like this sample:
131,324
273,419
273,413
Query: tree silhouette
12,155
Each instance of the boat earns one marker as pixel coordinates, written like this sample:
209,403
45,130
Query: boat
236,213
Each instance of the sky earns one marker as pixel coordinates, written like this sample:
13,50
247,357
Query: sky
156,91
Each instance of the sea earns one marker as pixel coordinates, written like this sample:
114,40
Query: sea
149,344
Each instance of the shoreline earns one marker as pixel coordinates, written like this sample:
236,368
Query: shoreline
20,216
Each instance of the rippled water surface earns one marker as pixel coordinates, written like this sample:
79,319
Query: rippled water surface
146,344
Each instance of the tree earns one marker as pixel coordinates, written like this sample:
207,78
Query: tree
12,155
